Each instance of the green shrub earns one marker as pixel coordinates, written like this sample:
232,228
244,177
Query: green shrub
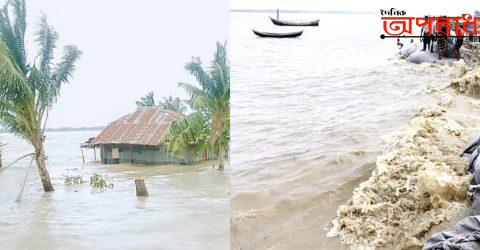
97,181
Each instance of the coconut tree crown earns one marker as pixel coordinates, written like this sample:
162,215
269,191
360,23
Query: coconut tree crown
29,90
209,124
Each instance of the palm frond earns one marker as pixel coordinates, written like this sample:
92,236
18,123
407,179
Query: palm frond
13,84
19,27
146,101
11,32
62,73
192,90
211,101
195,68
65,68
185,133
173,104
220,57
46,38
20,24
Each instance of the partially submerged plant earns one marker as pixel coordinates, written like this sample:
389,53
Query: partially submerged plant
77,179
97,181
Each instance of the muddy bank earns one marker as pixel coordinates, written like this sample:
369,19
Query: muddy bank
419,182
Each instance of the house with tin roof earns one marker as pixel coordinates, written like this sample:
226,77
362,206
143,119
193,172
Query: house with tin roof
135,138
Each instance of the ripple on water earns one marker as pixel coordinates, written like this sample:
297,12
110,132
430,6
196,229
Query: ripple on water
308,117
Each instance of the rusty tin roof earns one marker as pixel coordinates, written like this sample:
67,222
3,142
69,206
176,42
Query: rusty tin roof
145,126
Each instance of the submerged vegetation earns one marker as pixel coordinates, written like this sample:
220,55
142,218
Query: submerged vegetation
97,181
28,90
208,126
77,179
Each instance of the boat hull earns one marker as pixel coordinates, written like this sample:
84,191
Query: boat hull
292,23
278,35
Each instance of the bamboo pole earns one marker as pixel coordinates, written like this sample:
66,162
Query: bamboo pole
20,193
1,169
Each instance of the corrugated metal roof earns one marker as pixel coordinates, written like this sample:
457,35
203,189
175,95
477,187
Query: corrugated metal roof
145,126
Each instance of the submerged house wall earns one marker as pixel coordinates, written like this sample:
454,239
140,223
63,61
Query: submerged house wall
147,155
134,138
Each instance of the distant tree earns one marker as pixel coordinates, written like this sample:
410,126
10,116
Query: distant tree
174,104
170,103
209,124
147,101
29,90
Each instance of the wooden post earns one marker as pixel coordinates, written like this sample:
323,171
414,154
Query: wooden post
95,153
278,14
83,157
141,188
1,156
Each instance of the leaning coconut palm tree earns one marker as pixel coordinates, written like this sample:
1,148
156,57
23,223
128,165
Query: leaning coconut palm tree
209,124
28,92
146,101
173,104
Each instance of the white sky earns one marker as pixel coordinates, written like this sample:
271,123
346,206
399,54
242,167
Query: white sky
129,48
132,47
417,7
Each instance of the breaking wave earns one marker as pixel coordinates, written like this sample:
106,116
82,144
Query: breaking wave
419,182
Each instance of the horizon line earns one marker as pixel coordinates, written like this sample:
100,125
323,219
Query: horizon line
300,11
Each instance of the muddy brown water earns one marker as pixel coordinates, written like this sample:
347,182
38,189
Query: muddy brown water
308,117
188,206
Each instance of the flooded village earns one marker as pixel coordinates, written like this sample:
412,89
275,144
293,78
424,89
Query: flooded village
155,176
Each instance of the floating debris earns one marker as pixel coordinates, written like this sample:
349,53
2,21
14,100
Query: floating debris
77,179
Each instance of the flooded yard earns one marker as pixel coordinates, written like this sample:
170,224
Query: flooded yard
188,206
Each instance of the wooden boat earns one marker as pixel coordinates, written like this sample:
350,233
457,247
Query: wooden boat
278,35
293,23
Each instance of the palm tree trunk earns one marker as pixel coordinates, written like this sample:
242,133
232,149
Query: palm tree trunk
42,168
221,159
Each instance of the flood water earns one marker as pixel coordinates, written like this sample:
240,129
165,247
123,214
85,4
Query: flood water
308,116
188,206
